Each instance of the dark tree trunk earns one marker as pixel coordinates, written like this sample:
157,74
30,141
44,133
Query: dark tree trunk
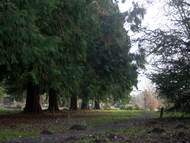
97,104
33,99
73,104
64,103
53,100
85,106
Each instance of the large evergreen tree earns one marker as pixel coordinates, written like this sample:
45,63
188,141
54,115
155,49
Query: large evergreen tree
23,48
49,46
32,49
108,57
170,48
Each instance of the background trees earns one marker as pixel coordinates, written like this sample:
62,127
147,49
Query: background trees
170,48
150,101
147,98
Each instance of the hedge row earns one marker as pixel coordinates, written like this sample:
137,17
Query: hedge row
130,107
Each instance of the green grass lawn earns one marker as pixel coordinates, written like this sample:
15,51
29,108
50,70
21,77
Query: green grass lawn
112,116
33,124
10,135
9,110
14,108
153,112
6,109
168,114
62,121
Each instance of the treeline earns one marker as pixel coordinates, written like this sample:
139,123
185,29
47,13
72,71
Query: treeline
168,48
71,49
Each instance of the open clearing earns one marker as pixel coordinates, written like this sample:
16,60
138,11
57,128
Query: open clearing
15,124
101,126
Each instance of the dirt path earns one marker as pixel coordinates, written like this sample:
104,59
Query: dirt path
59,138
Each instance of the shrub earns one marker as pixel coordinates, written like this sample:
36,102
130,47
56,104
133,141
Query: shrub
136,106
129,107
111,109
122,107
107,105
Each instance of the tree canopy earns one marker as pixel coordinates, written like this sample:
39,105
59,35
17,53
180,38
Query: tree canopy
170,48
76,48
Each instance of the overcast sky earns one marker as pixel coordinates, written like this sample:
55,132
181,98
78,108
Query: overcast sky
153,19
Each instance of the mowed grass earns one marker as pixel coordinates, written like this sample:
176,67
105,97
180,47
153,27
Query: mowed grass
6,110
112,116
9,110
168,114
10,135
153,112
15,124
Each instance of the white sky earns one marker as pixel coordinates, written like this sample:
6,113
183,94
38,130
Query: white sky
153,19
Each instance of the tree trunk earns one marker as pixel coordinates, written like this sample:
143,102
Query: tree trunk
85,106
33,99
73,103
64,103
53,100
97,104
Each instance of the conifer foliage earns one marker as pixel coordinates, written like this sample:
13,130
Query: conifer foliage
170,48
60,46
